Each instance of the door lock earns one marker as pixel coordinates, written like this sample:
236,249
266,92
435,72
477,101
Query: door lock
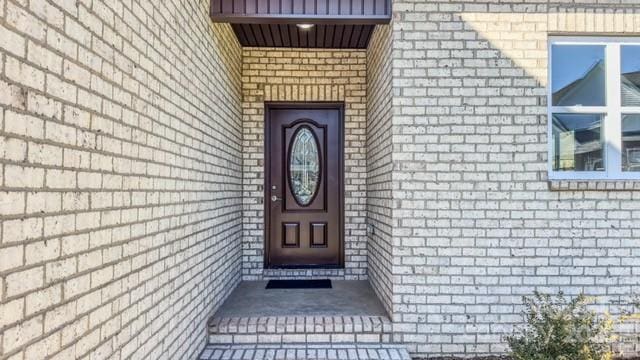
275,198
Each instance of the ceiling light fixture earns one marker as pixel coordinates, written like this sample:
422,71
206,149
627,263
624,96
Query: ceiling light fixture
304,26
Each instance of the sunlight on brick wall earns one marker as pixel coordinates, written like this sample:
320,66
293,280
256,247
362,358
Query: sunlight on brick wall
478,225
522,36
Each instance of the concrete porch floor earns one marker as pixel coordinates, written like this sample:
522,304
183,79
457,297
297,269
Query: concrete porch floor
345,298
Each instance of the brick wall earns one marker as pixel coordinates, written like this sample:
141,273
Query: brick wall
120,177
304,75
379,163
478,226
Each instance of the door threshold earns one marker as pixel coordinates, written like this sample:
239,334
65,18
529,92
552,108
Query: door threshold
304,267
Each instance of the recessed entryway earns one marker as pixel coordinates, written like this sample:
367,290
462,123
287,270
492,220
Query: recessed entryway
304,185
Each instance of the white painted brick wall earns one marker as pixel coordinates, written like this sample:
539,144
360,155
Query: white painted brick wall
476,224
120,177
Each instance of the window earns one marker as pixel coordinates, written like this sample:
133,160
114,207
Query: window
594,108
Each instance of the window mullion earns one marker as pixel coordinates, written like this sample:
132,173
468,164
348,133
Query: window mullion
612,123
631,110
579,109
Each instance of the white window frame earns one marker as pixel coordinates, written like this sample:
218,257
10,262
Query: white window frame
612,112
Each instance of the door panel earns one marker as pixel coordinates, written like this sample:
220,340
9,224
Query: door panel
304,186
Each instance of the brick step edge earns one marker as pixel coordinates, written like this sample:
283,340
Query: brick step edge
294,339
326,351
300,325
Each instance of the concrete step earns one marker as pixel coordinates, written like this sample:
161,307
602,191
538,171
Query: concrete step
327,351
304,330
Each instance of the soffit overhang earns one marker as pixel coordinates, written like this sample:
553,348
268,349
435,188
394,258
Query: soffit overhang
272,23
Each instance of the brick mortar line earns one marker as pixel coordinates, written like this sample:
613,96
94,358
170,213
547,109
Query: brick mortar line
148,204
114,156
211,65
110,190
224,332
168,308
99,133
80,171
186,44
115,85
106,227
113,226
375,345
209,27
113,191
221,299
554,5
90,209
282,319
238,277
106,246
115,298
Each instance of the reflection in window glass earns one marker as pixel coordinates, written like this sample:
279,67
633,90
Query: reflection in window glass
577,142
578,75
631,142
630,75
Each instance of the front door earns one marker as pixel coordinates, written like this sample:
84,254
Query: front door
304,185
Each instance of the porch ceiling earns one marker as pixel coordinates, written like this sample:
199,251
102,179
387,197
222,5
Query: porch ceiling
272,23
319,36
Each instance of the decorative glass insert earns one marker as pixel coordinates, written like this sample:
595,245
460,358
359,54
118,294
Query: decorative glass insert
630,77
631,142
577,142
304,166
578,75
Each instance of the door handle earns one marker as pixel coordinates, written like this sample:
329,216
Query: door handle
275,198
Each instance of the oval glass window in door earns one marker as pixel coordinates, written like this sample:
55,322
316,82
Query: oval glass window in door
304,166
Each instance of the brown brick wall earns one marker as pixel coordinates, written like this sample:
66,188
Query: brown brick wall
120,177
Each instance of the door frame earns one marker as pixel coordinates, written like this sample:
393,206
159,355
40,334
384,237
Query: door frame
279,105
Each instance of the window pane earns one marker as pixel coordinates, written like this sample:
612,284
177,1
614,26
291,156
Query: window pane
578,75
630,142
630,75
577,142
304,166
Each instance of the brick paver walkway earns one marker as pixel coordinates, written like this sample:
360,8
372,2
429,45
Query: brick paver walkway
301,352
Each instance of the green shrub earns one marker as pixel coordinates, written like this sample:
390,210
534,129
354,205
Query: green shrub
561,329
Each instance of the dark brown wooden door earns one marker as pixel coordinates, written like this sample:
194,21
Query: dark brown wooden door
304,185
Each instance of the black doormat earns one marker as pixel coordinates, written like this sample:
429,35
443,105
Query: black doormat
299,284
